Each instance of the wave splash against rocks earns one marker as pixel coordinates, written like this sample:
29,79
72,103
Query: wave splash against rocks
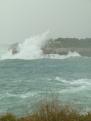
41,46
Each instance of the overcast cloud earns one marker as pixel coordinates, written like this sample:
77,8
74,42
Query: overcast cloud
65,18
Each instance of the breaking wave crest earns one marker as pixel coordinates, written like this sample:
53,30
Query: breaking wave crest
31,48
74,86
57,56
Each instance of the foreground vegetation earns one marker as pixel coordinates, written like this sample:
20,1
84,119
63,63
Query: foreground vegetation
50,112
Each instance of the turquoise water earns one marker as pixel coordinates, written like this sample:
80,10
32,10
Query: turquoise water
24,82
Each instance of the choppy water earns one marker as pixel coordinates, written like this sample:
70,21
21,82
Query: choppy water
24,82
29,75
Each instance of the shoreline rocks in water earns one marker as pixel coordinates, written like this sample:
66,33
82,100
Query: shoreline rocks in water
62,46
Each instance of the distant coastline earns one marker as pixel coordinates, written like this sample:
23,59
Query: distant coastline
63,45
41,46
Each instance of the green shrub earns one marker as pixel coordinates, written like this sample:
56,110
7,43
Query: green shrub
8,117
50,111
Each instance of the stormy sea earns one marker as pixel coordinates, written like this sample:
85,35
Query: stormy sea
42,67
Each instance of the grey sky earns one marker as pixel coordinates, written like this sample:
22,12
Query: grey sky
65,18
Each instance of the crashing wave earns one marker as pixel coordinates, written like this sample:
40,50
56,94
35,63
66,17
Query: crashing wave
35,48
31,48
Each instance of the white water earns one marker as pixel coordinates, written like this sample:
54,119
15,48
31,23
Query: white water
31,48
74,86
57,56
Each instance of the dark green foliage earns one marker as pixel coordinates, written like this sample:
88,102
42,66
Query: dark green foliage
8,117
